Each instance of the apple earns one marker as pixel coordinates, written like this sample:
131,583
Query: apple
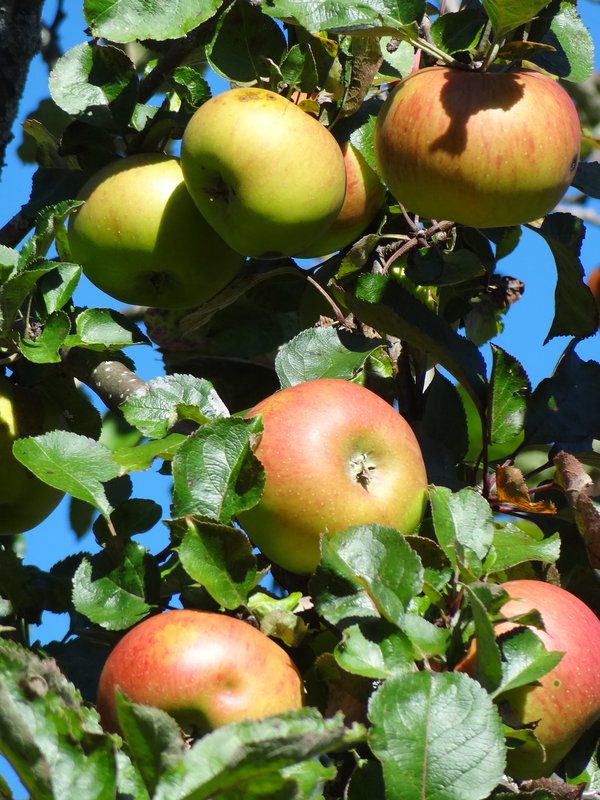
203,668
335,455
565,701
485,149
140,238
364,197
25,500
593,281
269,178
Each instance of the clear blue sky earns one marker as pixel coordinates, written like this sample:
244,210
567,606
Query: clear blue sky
527,322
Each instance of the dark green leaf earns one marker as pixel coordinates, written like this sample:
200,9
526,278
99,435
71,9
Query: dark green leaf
157,406
459,31
96,83
489,663
437,736
153,738
219,558
573,59
323,353
510,389
112,594
244,39
132,20
576,313
507,15
236,754
215,473
587,178
16,289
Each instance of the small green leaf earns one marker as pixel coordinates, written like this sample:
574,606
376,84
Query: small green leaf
157,406
346,15
437,736
215,473
573,59
14,291
587,178
74,464
109,594
134,20
135,459
323,353
524,659
458,31
96,83
58,285
45,348
510,389
219,558
514,544
105,329
489,663
464,526
374,648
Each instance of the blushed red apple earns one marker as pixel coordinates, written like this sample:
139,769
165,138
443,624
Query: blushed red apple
204,669
565,701
335,455
486,149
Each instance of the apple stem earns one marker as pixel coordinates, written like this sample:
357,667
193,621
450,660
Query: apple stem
422,236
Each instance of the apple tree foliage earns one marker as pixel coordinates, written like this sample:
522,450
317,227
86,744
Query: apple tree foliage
406,311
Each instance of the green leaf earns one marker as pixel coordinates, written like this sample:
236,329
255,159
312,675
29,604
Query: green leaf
161,402
154,740
464,526
435,268
132,516
459,31
243,41
15,290
564,407
515,544
105,329
135,459
574,56
45,348
576,313
507,15
190,85
368,570
53,741
215,473
437,736
50,227
219,558
510,389
489,662
95,83
403,316
347,15
133,20
58,285
236,755
74,464
112,594
587,178
525,659
323,353
374,648
277,616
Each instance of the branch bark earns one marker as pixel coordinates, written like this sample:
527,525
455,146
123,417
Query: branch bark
20,39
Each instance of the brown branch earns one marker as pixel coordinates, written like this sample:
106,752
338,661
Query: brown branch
20,32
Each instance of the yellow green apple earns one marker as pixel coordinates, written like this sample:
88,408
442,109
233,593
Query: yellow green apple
486,149
25,501
140,238
268,177
203,668
335,454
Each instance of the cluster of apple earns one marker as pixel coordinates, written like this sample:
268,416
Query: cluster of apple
258,177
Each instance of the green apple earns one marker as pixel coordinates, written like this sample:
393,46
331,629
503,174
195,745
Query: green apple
483,148
25,501
364,198
566,701
140,238
335,455
204,669
269,178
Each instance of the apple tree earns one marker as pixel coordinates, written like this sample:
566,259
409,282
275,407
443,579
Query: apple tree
304,208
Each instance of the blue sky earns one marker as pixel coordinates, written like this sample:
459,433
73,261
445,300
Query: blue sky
527,322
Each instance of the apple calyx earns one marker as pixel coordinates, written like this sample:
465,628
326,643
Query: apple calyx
362,468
